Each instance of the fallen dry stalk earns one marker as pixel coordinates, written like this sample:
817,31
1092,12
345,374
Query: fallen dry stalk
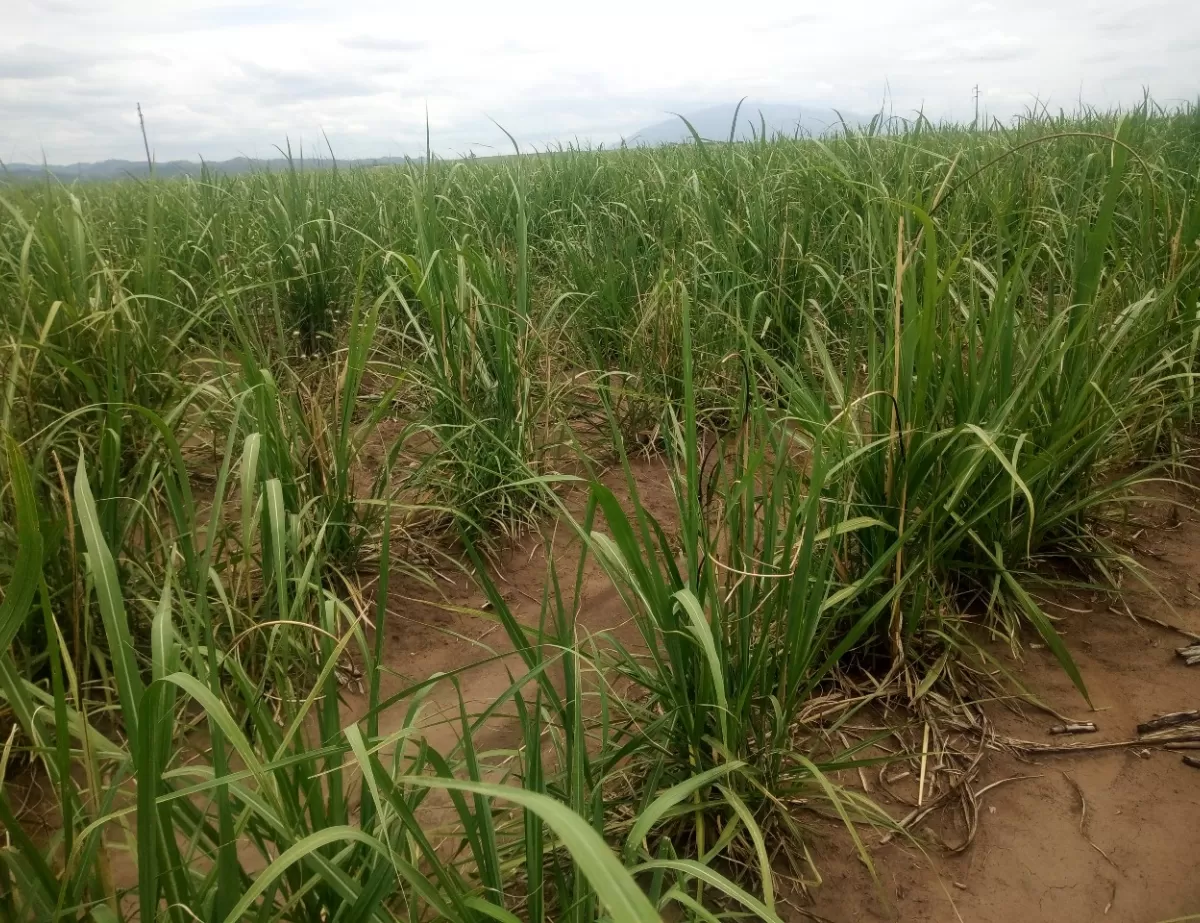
1169,720
1074,727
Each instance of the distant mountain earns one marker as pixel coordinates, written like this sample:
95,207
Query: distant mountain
121,169
713,123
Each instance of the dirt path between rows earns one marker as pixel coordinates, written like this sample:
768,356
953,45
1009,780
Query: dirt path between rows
1091,836
427,635
1095,835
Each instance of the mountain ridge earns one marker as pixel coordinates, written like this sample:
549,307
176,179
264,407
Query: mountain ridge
115,168
712,123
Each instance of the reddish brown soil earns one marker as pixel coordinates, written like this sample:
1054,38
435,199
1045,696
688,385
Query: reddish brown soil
1038,854
428,633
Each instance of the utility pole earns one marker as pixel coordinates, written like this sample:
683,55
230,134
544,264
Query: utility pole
975,124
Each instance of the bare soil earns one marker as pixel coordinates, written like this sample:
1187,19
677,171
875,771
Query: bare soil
1094,835
444,631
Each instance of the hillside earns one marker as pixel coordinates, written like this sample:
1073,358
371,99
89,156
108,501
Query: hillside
120,169
713,123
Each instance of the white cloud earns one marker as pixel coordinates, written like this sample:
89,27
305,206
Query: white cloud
219,78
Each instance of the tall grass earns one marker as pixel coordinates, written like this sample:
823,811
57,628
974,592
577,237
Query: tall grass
274,836
899,376
997,414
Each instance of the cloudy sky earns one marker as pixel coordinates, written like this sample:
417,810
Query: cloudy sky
218,78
